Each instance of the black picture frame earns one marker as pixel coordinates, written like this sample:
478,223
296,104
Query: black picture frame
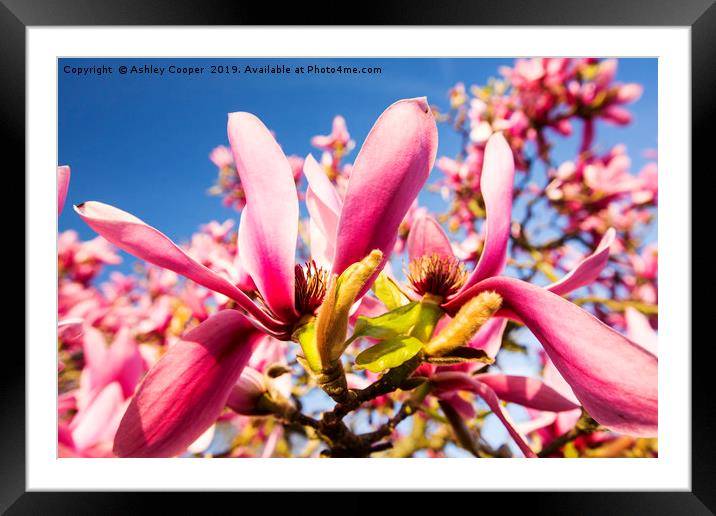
17,15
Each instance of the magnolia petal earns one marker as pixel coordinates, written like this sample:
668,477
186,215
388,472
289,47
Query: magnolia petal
185,392
324,207
243,397
269,224
63,183
121,362
97,422
496,183
564,421
426,237
539,421
487,394
388,173
459,381
526,391
321,186
203,441
489,338
147,243
463,407
640,331
587,270
124,355
614,378
322,251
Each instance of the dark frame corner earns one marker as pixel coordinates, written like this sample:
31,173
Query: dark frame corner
700,15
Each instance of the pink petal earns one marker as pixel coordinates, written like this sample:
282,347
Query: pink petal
121,362
203,441
539,420
63,183
324,206
588,270
245,394
269,223
94,349
94,424
321,186
614,378
124,355
388,173
489,338
563,421
322,251
640,331
461,406
457,381
551,377
143,241
496,182
185,392
528,392
426,237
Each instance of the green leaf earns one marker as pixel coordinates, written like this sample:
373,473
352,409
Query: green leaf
390,324
388,354
388,292
462,354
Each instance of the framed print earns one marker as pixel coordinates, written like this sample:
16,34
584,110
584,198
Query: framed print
359,258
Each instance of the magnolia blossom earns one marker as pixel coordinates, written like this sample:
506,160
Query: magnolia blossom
186,390
612,377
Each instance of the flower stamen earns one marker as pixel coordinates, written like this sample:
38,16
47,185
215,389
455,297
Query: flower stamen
311,282
436,274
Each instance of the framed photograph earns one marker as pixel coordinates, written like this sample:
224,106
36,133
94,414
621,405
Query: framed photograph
381,257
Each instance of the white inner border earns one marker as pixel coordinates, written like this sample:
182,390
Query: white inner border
672,470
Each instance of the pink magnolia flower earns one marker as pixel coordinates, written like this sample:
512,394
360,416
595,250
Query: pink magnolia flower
221,156
648,188
83,260
91,430
527,392
339,140
457,95
187,389
218,231
613,378
119,362
108,379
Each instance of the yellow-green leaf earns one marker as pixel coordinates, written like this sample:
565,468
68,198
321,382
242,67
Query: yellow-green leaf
388,292
390,324
388,354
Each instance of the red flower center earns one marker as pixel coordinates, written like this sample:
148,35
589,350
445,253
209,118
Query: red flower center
311,282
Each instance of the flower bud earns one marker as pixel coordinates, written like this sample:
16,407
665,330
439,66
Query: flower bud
467,321
332,319
246,394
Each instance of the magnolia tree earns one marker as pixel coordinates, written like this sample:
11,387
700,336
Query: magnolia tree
343,319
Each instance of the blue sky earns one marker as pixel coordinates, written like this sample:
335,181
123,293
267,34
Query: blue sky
141,142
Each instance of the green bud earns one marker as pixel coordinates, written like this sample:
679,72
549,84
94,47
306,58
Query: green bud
332,319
